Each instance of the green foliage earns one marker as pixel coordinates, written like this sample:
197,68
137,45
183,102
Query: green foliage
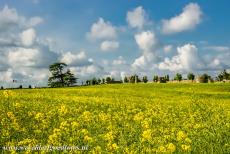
167,77
134,79
145,79
178,77
223,76
59,78
108,79
204,78
191,76
162,80
103,81
69,78
155,78
126,80
94,81
99,81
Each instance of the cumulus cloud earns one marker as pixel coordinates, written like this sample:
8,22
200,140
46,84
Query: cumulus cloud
217,48
9,19
28,37
188,19
79,59
102,30
34,21
140,63
22,55
167,48
119,61
85,72
187,59
146,41
109,45
136,18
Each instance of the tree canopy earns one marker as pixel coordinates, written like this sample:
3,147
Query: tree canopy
58,77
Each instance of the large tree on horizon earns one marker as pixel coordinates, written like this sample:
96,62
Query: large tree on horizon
58,77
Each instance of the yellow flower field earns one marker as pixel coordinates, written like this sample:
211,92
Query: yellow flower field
124,118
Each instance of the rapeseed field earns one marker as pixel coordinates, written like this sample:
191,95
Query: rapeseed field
124,118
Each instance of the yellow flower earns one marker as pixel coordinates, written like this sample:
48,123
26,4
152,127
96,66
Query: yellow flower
113,146
84,131
86,116
63,109
138,117
171,147
8,93
74,124
188,140
109,136
88,139
186,147
147,134
10,114
162,149
181,135
97,150
39,116
145,124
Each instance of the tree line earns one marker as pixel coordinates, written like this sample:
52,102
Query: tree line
61,78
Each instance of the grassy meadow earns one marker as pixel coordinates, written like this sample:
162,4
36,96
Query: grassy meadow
122,118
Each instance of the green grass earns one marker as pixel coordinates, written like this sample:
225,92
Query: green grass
124,118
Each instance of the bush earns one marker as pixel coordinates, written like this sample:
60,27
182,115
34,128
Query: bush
203,78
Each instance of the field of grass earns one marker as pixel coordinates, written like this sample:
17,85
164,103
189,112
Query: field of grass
125,118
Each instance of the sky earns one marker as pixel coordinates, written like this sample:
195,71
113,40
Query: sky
119,38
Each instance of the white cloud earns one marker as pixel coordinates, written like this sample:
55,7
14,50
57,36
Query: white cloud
167,48
6,76
187,59
102,30
22,57
140,63
146,41
79,59
119,61
10,19
136,18
217,48
109,45
188,19
86,72
28,37
34,21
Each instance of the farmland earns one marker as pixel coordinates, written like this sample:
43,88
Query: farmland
122,118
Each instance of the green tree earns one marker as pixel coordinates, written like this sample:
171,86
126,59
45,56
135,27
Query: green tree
94,81
59,78
103,81
126,80
134,79
69,78
166,77
108,79
155,78
145,79
178,77
99,81
191,76
204,78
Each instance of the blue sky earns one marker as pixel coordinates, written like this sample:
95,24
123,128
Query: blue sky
113,38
